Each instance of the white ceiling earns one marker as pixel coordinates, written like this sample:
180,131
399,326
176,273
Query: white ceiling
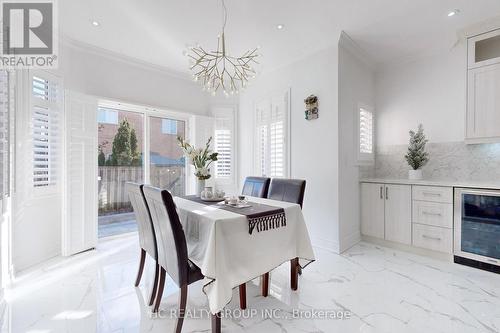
157,31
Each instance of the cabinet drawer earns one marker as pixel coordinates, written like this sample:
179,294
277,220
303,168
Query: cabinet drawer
433,194
433,213
433,238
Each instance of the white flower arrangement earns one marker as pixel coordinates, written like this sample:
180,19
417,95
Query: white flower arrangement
199,158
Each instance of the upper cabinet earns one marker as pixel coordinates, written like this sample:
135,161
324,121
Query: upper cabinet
484,50
483,88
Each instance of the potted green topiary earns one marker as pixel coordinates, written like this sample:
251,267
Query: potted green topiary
416,156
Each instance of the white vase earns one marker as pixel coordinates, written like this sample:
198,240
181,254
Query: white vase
415,174
200,186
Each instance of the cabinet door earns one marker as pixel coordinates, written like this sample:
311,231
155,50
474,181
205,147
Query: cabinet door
483,105
398,213
372,210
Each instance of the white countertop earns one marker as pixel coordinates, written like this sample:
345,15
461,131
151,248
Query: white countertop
495,184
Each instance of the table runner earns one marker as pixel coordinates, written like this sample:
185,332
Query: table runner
260,216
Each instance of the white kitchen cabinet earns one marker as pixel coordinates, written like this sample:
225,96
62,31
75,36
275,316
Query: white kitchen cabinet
386,212
372,210
483,104
398,213
483,88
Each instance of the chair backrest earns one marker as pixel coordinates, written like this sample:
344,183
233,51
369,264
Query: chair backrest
256,186
172,248
147,238
289,190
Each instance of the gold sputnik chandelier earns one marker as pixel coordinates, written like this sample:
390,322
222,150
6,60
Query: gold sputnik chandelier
218,70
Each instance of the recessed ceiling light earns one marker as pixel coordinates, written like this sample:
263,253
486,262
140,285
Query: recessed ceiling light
280,26
453,12
95,23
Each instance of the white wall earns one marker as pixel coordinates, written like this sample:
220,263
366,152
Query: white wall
356,85
430,90
103,74
314,144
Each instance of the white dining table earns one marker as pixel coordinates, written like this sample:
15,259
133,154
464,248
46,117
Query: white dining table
220,244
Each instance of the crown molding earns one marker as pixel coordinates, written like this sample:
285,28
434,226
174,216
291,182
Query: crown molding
346,42
115,56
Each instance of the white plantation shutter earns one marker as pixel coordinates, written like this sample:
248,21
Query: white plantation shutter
223,145
366,134
272,137
6,98
80,197
46,118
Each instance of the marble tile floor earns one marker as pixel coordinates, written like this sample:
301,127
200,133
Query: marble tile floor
378,289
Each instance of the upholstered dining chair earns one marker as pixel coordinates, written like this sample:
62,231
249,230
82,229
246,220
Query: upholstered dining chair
256,186
147,238
172,248
289,190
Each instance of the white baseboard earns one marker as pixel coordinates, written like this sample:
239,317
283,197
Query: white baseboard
349,241
409,248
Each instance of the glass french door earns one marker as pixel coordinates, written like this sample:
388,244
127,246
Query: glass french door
135,147
167,165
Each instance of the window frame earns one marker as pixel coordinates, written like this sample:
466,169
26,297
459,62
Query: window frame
226,114
364,158
268,103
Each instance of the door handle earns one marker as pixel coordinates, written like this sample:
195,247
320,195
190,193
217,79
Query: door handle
386,193
381,192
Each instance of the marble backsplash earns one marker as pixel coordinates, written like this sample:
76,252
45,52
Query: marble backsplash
448,161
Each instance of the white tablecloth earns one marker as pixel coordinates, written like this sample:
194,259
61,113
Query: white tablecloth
219,243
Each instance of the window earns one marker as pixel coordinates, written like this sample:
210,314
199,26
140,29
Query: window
365,128
223,144
271,137
5,105
46,131
107,116
169,126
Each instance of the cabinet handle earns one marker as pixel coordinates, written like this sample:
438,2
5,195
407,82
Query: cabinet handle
430,237
386,193
431,213
381,192
432,194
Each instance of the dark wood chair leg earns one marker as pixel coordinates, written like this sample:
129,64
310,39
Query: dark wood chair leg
243,296
264,282
141,267
161,285
216,323
155,285
294,273
182,308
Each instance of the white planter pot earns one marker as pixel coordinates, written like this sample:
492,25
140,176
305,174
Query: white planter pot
200,186
415,174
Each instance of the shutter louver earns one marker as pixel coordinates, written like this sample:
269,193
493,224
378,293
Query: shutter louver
271,138
46,132
224,148
365,131
4,132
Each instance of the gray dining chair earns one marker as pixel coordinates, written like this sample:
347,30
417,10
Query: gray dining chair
289,190
172,249
146,231
255,187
